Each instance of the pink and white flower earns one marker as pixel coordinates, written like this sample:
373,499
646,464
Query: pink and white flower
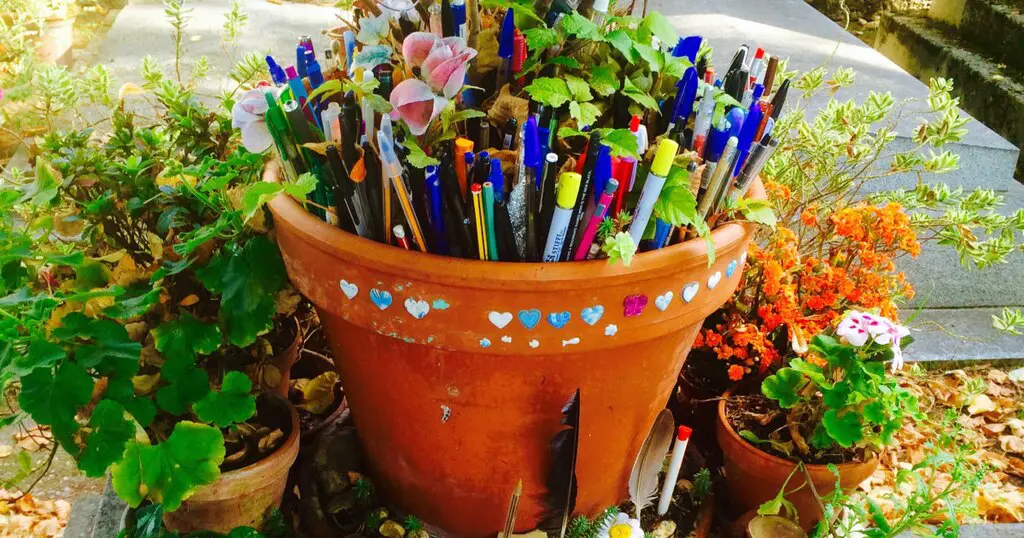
859,327
248,115
443,64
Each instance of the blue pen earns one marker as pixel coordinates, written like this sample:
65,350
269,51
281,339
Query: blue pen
602,171
661,233
468,158
496,177
300,60
735,119
433,181
718,137
276,72
758,92
746,137
298,90
685,98
350,49
459,17
506,44
687,47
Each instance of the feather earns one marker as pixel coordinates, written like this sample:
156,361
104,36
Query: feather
643,481
561,499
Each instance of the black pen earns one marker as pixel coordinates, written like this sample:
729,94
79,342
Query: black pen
453,205
372,184
350,215
503,231
586,182
509,141
779,99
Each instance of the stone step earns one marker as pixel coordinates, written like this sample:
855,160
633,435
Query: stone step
795,30
960,335
925,48
995,26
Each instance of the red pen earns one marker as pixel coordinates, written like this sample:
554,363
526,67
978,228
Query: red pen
400,236
518,55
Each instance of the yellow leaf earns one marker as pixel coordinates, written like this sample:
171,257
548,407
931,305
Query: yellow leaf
981,404
144,384
156,246
319,147
6,450
129,89
165,179
189,300
318,393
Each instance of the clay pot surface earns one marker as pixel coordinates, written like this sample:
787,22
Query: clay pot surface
243,497
755,476
456,370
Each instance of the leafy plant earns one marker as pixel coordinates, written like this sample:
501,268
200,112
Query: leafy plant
583,527
701,485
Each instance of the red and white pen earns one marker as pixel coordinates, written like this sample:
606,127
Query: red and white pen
673,469
400,236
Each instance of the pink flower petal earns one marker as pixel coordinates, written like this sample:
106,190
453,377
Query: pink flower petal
436,57
448,76
416,105
417,46
410,90
256,137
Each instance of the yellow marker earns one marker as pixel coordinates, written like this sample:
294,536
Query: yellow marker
660,168
478,220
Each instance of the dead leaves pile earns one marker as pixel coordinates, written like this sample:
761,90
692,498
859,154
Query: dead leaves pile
990,406
25,516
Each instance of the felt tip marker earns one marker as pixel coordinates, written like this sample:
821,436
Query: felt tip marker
678,451
565,200
600,211
660,168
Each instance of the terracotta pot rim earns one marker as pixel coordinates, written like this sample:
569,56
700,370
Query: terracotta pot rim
811,467
488,274
261,470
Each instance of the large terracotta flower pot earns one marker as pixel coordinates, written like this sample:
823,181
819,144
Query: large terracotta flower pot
456,370
755,476
244,497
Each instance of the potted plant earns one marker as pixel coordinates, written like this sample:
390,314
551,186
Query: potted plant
56,32
837,406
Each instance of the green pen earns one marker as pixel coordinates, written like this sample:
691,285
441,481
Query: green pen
277,124
492,240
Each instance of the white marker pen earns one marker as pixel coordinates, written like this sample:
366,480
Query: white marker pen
568,187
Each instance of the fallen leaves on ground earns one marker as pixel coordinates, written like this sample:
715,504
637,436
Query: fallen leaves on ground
989,403
33,439
26,516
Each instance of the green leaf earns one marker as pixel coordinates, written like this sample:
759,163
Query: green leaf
812,371
231,404
248,280
122,391
549,91
877,516
111,350
571,63
108,435
135,302
752,437
661,28
604,81
654,58
541,38
579,88
783,387
149,522
45,187
838,396
181,341
190,386
622,142
876,413
170,471
41,354
53,399
639,96
574,24
259,193
584,113
620,248
620,41
758,211
676,204
674,67
846,429
417,157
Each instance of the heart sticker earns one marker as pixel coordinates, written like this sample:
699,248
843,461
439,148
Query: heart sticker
690,291
571,341
349,289
381,298
592,314
500,319
662,301
558,319
417,308
611,329
529,318
714,279
534,343
731,268
634,305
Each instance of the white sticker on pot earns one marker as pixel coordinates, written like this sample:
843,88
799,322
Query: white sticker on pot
349,289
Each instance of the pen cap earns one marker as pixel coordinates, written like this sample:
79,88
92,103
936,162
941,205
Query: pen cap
685,431
568,188
518,51
531,146
506,41
663,158
497,178
611,186
290,72
316,77
389,158
602,170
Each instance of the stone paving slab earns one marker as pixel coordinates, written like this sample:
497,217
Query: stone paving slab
961,334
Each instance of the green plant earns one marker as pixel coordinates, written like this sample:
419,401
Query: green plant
701,485
584,527
840,394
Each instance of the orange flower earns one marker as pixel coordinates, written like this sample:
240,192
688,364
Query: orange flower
809,216
736,372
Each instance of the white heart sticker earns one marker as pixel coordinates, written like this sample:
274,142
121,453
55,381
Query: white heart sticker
714,279
417,308
663,301
349,289
690,291
500,319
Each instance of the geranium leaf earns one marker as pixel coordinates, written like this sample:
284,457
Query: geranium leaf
181,341
188,387
134,302
783,387
838,395
108,435
846,428
232,403
122,391
171,471
41,354
111,350
53,399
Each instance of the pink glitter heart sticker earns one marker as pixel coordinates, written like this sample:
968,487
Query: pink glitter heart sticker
635,305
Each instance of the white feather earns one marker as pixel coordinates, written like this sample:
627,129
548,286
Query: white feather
643,481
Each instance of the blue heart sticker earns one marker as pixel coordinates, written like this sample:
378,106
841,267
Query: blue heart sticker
558,319
592,314
529,318
381,298
731,268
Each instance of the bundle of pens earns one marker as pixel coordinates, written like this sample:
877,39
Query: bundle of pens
508,156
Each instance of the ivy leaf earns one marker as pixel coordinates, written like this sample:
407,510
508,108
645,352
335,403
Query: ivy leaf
41,354
541,38
639,96
108,435
758,211
619,248
846,429
783,386
604,81
181,341
661,28
584,113
653,57
417,157
171,471
620,41
53,399
579,88
622,142
549,91
231,404
188,387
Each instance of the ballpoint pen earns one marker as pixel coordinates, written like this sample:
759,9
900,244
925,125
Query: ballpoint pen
447,19
462,146
720,181
759,155
688,47
373,185
454,206
393,170
546,202
400,237
507,250
746,137
436,208
757,68
779,99
586,183
702,124
717,140
769,75
277,124
367,114
660,168
511,131
350,213
488,204
330,120
684,99
506,44
300,60
459,16
600,211
276,72
531,161
350,49
298,89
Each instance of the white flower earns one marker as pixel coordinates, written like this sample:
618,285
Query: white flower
621,527
247,115
853,328
857,327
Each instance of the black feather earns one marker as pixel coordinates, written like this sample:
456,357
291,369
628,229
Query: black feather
562,486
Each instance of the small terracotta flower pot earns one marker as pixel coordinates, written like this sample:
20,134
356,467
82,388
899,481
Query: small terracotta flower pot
246,496
456,370
755,476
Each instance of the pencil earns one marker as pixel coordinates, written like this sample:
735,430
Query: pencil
478,220
410,214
